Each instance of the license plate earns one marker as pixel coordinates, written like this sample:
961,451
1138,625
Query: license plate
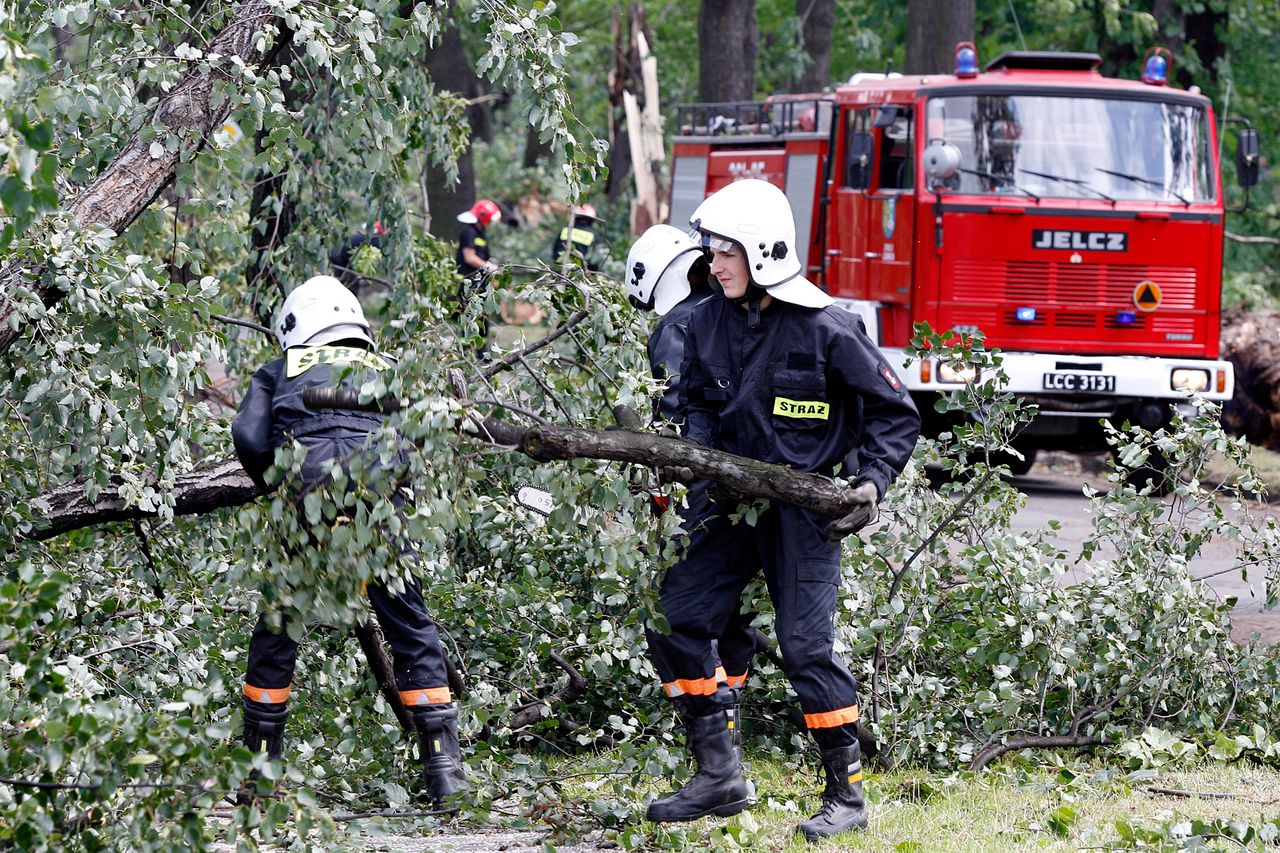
1089,382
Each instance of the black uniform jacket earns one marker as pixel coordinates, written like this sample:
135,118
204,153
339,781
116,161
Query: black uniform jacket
472,237
272,411
804,388
666,351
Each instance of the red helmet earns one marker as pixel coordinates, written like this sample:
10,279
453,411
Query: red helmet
585,210
481,213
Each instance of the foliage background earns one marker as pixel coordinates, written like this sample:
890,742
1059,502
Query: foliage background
121,647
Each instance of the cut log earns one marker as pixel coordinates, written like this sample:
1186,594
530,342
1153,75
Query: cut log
1251,341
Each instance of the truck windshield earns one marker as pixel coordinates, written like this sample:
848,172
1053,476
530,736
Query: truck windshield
1075,147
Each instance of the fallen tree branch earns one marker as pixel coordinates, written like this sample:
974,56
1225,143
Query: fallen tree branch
993,751
1243,238
370,636
135,177
201,491
527,715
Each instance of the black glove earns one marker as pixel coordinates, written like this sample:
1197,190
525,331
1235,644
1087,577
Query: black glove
862,500
668,474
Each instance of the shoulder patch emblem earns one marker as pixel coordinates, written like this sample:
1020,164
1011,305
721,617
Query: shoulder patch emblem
891,378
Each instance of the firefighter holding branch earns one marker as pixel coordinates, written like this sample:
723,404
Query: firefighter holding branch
772,371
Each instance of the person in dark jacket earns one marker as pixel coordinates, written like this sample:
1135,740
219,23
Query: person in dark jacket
322,328
342,261
473,241
579,240
668,273
773,371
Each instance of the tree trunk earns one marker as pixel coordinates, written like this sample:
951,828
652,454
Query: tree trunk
819,18
933,30
727,40
451,70
134,178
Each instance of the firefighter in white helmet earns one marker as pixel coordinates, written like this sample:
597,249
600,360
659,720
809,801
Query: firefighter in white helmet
773,371
322,328
668,273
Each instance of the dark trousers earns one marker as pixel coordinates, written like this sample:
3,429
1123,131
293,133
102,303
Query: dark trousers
417,657
700,596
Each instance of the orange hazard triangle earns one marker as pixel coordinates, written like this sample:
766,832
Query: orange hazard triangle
1146,296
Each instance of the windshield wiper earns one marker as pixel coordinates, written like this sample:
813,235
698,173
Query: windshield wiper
1074,181
1002,179
1141,180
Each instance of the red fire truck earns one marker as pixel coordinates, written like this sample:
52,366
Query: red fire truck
1075,219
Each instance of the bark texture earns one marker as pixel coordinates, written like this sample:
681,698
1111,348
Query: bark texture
727,41
933,29
819,18
226,484
1251,341
134,178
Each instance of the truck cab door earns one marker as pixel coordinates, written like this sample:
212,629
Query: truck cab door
890,222
847,242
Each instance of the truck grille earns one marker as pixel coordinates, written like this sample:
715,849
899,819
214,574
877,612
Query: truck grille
1049,283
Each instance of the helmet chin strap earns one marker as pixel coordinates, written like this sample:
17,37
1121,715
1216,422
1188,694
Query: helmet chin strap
752,298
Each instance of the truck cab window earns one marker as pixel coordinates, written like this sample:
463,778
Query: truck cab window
858,150
895,160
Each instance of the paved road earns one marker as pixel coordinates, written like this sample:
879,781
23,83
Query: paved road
1054,494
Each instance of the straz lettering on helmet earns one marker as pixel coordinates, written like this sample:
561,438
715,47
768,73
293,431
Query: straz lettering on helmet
800,408
298,360
891,378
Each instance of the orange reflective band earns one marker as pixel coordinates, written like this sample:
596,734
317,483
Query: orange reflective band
691,687
426,696
267,695
736,681
856,777
831,719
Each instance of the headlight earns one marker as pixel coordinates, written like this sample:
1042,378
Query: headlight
956,373
1189,379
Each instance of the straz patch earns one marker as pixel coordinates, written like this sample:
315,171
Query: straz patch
891,378
298,360
1080,241
801,408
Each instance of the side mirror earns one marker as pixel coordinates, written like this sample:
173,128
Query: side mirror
941,161
858,168
1247,157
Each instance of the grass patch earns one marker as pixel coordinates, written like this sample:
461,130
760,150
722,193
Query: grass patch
1015,806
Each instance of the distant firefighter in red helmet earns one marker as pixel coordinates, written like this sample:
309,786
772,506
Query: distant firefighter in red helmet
473,242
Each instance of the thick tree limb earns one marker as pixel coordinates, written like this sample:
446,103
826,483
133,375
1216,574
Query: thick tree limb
226,484
527,715
134,178
737,477
993,751
222,484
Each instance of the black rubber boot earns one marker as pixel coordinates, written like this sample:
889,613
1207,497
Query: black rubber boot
718,787
843,806
263,732
441,756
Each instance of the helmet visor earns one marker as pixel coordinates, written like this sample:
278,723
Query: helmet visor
718,244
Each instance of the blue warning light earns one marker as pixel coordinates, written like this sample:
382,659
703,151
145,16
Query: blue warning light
966,59
1126,318
1025,315
1155,71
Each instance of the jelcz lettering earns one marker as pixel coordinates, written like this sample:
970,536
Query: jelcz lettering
1080,241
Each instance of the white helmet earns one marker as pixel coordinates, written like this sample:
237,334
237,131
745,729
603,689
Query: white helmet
658,268
318,311
756,216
